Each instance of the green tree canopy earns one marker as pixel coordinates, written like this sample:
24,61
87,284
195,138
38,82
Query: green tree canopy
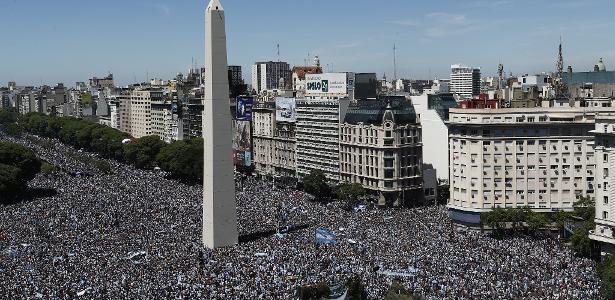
316,184
18,165
606,271
183,159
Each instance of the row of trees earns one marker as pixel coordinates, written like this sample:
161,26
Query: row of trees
182,159
317,185
18,165
511,220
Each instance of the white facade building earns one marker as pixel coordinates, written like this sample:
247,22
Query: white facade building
380,148
274,142
141,123
465,81
604,233
433,125
542,158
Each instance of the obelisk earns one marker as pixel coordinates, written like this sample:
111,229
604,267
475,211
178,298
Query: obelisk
219,209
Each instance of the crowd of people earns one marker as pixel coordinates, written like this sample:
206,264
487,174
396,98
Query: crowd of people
134,234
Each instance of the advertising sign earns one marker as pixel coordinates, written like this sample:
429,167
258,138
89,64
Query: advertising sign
327,83
285,110
242,143
244,108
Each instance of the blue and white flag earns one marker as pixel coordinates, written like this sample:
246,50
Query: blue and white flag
325,236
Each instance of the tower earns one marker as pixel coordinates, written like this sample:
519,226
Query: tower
561,90
219,208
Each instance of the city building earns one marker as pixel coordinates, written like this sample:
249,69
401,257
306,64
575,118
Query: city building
542,158
235,82
269,75
380,148
604,233
317,134
298,77
465,81
141,123
597,83
274,142
105,82
434,111
365,86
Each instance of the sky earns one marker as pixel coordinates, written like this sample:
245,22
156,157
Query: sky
46,42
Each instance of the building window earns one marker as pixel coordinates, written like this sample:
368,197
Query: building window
605,215
606,200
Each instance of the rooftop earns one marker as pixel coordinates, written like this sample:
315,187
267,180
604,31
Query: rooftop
373,111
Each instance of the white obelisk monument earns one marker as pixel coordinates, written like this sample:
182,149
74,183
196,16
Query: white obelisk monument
219,209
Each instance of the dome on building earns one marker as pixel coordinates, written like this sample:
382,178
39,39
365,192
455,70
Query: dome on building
600,67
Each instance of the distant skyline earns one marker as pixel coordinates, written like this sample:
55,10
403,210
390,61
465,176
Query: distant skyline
72,40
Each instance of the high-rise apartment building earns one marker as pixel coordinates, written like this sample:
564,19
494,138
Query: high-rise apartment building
269,75
604,233
317,134
465,81
380,148
141,123
542,158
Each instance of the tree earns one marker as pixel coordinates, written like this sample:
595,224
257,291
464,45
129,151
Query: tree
18,165
20,157
143,153
585,208
536,221
183,159
313,292
11,182
356,289
350,192
398,292
103,166
444,193
316,184
559,218
606,271
580,242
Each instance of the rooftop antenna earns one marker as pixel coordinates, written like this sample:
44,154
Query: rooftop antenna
500,76
278,52
394,62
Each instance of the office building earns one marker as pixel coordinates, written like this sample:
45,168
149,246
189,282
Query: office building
365,86
269,75
317,135
465,81
380,148
542,158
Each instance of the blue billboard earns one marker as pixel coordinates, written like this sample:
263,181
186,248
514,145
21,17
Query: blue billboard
244,108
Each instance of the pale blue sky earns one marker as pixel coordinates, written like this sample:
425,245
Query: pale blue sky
72,40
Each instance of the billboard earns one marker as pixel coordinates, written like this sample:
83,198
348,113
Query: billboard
327,83
285,109
244,108
242,143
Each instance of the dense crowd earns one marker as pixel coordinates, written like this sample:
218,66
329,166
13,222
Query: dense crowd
133,234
